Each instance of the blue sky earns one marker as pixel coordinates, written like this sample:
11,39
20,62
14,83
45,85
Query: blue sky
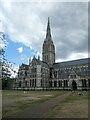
24,24
17,52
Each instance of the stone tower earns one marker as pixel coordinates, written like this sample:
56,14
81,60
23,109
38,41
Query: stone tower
48,50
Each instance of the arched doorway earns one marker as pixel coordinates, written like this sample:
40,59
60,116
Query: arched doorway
74,85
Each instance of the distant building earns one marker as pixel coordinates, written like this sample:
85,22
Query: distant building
47,74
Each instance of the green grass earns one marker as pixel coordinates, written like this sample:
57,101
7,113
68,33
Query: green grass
12,93
74,106
9,95
74,96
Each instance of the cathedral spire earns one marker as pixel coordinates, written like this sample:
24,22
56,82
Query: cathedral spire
48,51
48,34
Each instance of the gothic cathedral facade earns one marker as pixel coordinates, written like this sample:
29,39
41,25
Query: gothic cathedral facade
47,74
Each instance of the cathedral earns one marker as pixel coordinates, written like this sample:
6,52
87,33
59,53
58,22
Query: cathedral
48,75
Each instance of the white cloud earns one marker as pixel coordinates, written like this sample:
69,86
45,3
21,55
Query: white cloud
2,44
23,57
26,23
39,54
78,56
14,71
74,56
20,49
31,58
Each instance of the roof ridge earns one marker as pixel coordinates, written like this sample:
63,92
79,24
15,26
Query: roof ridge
73,60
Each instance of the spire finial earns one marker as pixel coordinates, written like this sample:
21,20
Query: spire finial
48,21
48,34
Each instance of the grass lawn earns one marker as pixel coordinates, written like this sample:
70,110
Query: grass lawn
75,106
17,100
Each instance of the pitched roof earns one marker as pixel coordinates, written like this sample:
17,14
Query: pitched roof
83,73
24,66
39,62
71,63
63,75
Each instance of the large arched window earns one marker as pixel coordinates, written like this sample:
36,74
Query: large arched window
33,83
88,82
55,83
84,83
60,83
25,83
55,74
50,83
20,83
65,83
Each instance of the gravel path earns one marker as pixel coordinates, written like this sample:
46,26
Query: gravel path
40,110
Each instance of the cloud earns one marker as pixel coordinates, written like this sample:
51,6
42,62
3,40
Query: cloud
26,23
74,57
20,49
14,71
39,54
2,44
23,57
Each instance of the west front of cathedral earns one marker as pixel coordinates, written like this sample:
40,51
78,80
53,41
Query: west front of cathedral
46,74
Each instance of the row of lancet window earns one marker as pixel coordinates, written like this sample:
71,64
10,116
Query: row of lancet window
33,83
60,84
65,83
54,84
85,83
